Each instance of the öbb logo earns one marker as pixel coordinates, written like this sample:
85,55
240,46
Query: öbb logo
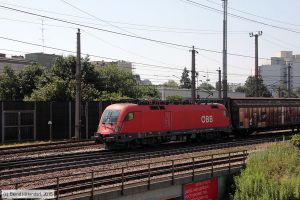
207,119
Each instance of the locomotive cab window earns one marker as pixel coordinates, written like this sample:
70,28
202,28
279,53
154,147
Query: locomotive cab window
129,116
110,116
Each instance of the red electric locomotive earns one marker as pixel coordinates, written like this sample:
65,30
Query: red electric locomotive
133,124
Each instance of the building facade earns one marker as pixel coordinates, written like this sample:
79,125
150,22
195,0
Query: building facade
186,93
46,60
275,73
17,63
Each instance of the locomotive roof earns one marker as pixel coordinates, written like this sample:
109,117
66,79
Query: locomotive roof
122,105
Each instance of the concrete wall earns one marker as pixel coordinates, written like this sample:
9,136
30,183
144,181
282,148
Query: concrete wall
162,190
186,93
15,64
43,59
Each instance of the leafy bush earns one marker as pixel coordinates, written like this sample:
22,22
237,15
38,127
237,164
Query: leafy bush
270,174
174,98
296,140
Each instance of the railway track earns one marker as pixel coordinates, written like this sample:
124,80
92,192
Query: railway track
35,166
43,147
145,173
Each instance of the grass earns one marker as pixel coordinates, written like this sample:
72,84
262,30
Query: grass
271,174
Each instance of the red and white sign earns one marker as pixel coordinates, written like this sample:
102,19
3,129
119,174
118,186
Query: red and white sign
205,190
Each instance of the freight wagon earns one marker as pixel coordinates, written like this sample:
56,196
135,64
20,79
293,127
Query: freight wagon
259,114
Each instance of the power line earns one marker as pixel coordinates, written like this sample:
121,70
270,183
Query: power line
125,50
248,13
127,35
208,31
240,17
86,54
96,28
30,22
114,59
97,18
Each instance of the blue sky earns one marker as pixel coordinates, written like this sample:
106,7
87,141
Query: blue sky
173,21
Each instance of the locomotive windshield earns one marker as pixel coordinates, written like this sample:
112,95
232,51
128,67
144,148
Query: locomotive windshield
110,116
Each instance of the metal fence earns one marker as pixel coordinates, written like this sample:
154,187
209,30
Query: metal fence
124,177
23,121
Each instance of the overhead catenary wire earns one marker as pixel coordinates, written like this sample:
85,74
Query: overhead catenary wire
255,15
127,35
115,59
97,18
96,28
124,50
240,17
86,54
157,27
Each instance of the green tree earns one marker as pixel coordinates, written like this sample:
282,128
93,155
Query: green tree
106,96
282,91
206,86
29,78
174,98
240,89
217,86
9,85
250,88
115,80
148,92
58,82
185,81
171,84
55,90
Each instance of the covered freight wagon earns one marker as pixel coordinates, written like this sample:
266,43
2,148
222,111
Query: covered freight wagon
256,114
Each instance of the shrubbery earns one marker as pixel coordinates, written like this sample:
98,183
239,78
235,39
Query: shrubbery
296,140
271,174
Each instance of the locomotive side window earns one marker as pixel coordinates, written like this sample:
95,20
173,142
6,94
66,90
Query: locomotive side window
129,116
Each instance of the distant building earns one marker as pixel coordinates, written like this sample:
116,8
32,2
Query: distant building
275,73
146,82
127,66
43,59
186,93
17,63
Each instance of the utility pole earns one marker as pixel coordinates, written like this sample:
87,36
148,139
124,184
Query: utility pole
78,90
259,33
193,71
220,83
289,79
225,51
